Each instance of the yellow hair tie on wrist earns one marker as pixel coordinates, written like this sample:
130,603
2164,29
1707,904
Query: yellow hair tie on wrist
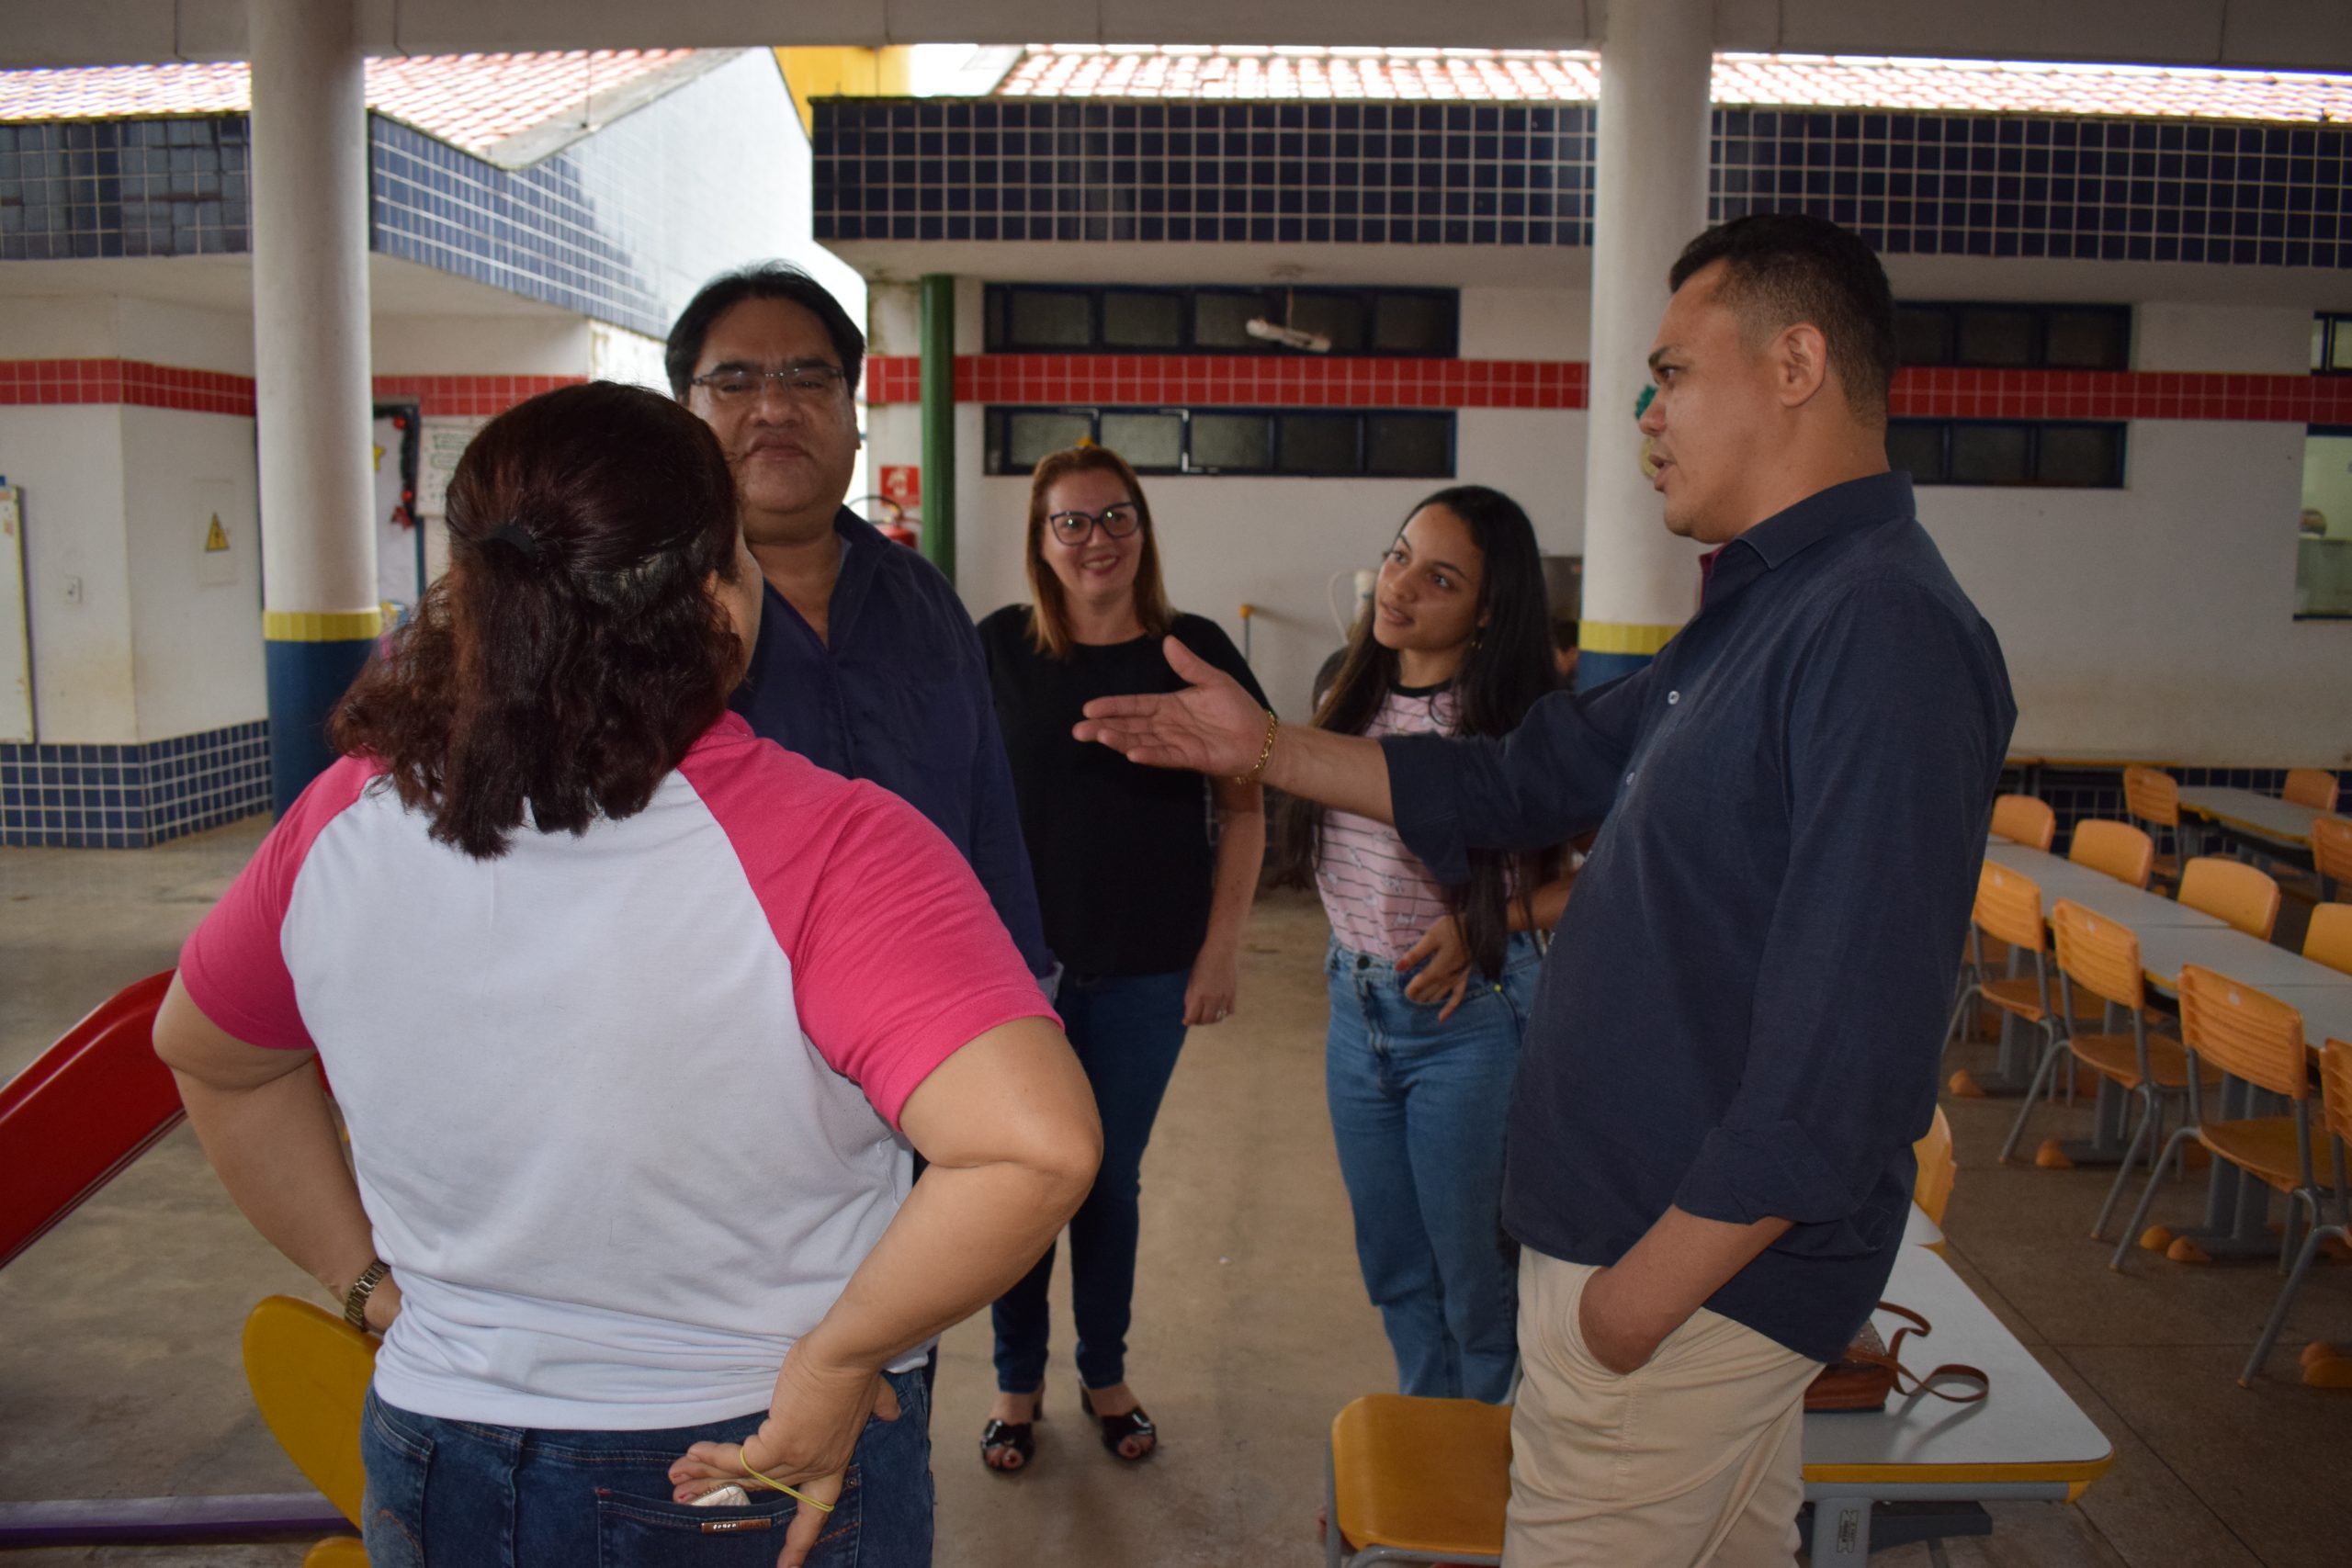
794,1493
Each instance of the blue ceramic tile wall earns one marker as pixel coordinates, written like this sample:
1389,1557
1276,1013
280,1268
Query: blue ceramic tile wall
1464,174
124,798
156,187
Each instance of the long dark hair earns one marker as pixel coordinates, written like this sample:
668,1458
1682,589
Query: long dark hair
1508,667
573,651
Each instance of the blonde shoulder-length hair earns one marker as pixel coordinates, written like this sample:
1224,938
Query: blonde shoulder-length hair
1049,611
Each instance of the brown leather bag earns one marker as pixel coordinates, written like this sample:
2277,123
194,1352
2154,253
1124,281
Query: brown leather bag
1872,1372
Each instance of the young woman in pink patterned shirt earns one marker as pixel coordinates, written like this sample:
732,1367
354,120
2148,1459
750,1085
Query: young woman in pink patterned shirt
1430,986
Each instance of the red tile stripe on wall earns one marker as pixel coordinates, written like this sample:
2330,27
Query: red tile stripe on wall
24,382
1252,381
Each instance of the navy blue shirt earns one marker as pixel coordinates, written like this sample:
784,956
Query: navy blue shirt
1741,1013
897,691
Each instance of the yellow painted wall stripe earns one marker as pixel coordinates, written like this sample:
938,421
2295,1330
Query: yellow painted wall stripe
1622,636
321,626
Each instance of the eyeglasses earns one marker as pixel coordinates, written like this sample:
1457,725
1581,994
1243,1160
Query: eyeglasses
813,383
1077,527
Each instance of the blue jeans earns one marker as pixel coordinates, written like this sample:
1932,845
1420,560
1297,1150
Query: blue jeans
456,1494
1126,1030
1418,1110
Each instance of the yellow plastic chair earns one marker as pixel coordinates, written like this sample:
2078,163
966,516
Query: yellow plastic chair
2102,958
308,1372
2336,1117
2152,796
1938,1169
2023,819
2311,787
2332,856
2232,890
2329,939
1417,1481
2114,848
2248,1034
2008,909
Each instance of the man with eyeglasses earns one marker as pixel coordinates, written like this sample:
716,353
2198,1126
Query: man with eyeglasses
866,663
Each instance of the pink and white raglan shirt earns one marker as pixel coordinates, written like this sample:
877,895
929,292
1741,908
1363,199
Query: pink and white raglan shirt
623,1105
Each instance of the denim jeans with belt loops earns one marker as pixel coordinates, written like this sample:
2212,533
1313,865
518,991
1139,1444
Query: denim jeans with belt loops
444,1493
1418,1110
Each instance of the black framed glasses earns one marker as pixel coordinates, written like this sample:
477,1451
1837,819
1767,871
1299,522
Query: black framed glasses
1077,527
811,381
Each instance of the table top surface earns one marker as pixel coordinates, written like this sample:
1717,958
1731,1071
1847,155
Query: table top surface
2246,959
2326,1009
2261,813
2026,1429
2097,891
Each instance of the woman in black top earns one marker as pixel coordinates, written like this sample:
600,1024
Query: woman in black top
1143,909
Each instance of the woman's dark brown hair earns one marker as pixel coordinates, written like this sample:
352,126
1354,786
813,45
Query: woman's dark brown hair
573,650
1049,615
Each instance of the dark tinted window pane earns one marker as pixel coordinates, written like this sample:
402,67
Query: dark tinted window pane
1218,319
2088,339
992,316
1145,440
1922,335
1413,324
1319,444
1132,320
2082,455
2318,343
1990,455
1407,443
2340,339
1990,335
1339,317
1916,447
1031,434
1051,317
1232,441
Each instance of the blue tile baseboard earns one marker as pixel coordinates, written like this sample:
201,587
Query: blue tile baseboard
125,797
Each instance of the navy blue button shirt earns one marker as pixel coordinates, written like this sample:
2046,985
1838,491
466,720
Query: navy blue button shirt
897,691
1742,1011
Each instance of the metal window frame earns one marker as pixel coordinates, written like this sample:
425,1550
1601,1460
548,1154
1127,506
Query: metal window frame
2034,429
2042,310
996,316
995,425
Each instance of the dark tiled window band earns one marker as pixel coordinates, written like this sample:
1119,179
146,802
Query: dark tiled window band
2075,795
152,187
1521,174
122,798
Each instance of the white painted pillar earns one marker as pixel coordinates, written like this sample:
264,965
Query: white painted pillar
314,398
1650,198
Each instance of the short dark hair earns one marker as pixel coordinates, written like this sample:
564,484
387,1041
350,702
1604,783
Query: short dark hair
1780,269
761,280
572,652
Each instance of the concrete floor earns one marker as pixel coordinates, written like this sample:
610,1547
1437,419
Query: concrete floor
118,1370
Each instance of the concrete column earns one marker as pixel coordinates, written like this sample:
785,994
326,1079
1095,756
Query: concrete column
312,397
939,421
1640,582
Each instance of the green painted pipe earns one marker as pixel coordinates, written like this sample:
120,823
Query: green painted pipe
939,421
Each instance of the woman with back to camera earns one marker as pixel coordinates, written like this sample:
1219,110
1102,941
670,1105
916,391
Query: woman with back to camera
1145,915
620,1016
1430,986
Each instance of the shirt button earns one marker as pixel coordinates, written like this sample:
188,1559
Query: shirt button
1629,777
1672,698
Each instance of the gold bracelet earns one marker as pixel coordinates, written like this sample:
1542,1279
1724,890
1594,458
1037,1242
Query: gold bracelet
1263,752
794,1493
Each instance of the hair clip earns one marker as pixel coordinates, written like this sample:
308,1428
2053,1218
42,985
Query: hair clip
515,537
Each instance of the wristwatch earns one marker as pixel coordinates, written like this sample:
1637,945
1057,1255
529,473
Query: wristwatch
355,1300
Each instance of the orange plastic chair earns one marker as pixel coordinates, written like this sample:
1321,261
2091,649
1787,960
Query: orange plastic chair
1939,1171
2311,787
2153,796
2008,909
2023,819
2335,1116
2097,957
1418,1480
2252,1035
2332,856
308,1372
2116,849
2329,939
2232,890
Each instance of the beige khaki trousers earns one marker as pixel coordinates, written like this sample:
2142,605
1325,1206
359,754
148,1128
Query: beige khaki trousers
1692,1459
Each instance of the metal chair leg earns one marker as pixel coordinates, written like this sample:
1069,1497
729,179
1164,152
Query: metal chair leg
2131,1236
2143,1133
2286,1299
2034,1090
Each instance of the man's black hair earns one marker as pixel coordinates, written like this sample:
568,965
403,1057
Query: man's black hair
761,280
1780,269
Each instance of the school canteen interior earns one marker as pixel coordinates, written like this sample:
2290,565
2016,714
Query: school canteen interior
2122,249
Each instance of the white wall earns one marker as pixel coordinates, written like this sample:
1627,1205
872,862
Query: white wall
478,345
196,643
70,462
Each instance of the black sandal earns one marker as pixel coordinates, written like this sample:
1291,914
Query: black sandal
1019,1437
1117,1429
